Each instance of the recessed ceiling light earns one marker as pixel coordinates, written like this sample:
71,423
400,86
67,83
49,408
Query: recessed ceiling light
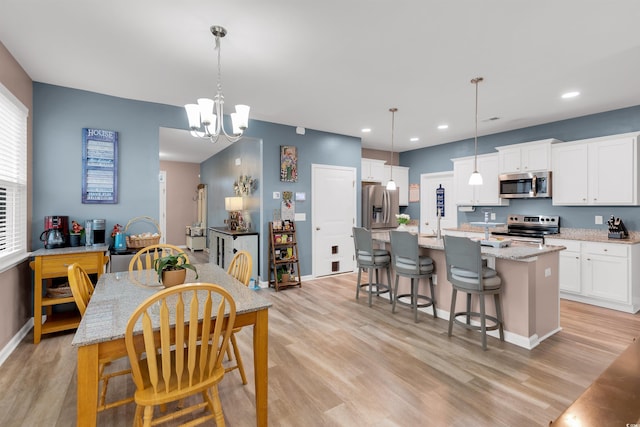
570,95
366,130
414,139
441,127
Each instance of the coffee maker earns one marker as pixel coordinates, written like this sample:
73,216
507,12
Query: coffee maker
95,231
56,231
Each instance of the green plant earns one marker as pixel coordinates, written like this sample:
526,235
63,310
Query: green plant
172,262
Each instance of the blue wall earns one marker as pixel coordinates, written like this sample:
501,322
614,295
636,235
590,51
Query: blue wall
60,114
438,159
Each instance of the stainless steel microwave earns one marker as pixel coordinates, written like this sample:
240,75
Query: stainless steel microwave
525,185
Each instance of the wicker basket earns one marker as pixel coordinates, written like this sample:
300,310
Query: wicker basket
134,242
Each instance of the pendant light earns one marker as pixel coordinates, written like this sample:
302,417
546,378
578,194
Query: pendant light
391,185
476,178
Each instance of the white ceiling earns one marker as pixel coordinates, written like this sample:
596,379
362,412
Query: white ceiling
338,66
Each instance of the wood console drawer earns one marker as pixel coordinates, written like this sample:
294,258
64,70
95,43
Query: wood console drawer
56,265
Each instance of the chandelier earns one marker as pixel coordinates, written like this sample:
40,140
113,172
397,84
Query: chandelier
206,118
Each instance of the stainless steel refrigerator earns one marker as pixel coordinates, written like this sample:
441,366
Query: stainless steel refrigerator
379,207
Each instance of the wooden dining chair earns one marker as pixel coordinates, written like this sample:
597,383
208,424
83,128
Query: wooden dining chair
82,289
240,268
143,259
172,362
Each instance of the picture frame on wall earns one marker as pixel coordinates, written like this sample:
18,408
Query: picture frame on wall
99,166
288,163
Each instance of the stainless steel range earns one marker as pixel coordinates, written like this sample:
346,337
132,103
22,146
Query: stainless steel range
531,226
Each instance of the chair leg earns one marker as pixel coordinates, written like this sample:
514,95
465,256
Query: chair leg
414,298
395,299
452,313
236,353
370,273
433,297
483,322
358,283
468,309
498,301
391,298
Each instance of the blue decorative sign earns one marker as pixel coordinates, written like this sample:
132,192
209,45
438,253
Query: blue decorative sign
440,200
99,166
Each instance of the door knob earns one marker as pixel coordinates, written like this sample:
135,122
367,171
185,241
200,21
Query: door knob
317,228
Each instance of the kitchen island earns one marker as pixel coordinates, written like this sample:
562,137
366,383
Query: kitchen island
530,290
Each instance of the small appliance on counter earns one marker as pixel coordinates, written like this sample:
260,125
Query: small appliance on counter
56,231
95,231
617,230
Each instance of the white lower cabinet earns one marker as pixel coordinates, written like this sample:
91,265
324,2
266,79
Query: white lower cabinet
223,245
602,274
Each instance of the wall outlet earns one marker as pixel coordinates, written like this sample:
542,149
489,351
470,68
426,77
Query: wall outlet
547,272
599,219
434,279
276,195
493,216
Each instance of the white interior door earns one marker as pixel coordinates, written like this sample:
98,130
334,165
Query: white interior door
162,182
429,184
334,209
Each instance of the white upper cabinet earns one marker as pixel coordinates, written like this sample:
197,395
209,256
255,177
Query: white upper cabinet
598,171
477,195
526,157
372,170
401,177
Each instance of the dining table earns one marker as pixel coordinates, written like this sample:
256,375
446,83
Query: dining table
117,295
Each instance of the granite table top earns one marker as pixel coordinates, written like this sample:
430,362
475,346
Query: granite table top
117,295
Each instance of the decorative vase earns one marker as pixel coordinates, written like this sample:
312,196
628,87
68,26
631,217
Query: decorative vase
173,277
74,239
402,227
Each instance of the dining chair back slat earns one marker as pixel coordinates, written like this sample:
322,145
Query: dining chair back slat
144,258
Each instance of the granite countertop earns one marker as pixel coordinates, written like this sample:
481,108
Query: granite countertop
582,234
225,230
517,251
117,295
70,250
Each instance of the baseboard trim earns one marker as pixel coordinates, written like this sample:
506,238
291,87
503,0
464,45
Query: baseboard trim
15,341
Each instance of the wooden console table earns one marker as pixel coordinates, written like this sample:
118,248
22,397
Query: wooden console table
52,263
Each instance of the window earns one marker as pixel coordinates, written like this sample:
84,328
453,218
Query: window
13,179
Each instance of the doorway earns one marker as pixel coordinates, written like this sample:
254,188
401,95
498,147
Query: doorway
334,210
432,185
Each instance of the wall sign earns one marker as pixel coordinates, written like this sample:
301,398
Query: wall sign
440,200
99,166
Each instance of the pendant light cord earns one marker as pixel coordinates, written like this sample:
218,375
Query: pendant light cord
475,162
393,126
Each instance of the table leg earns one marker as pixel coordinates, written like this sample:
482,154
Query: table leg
87,385
260,364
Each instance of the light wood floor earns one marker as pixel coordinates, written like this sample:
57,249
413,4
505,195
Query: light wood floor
333,361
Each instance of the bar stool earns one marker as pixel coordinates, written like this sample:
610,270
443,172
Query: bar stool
466,273
407,262
371,260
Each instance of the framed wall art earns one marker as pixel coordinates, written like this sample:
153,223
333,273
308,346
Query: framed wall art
288,163
99,166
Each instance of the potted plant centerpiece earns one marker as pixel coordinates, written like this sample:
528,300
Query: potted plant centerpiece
172,269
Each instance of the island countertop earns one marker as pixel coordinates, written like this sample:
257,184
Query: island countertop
517,251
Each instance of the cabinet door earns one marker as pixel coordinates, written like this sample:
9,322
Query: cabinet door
612,172
607,277
509,160
488,193
569,272
401,177
570,177
464,193
536,157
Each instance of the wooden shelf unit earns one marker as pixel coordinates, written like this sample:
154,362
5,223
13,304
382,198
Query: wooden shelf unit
283,256
53,263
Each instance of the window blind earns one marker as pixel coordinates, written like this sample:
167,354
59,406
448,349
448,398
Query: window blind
13,179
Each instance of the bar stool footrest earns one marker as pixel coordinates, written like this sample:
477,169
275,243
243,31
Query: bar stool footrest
378,288
472,314
428,303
